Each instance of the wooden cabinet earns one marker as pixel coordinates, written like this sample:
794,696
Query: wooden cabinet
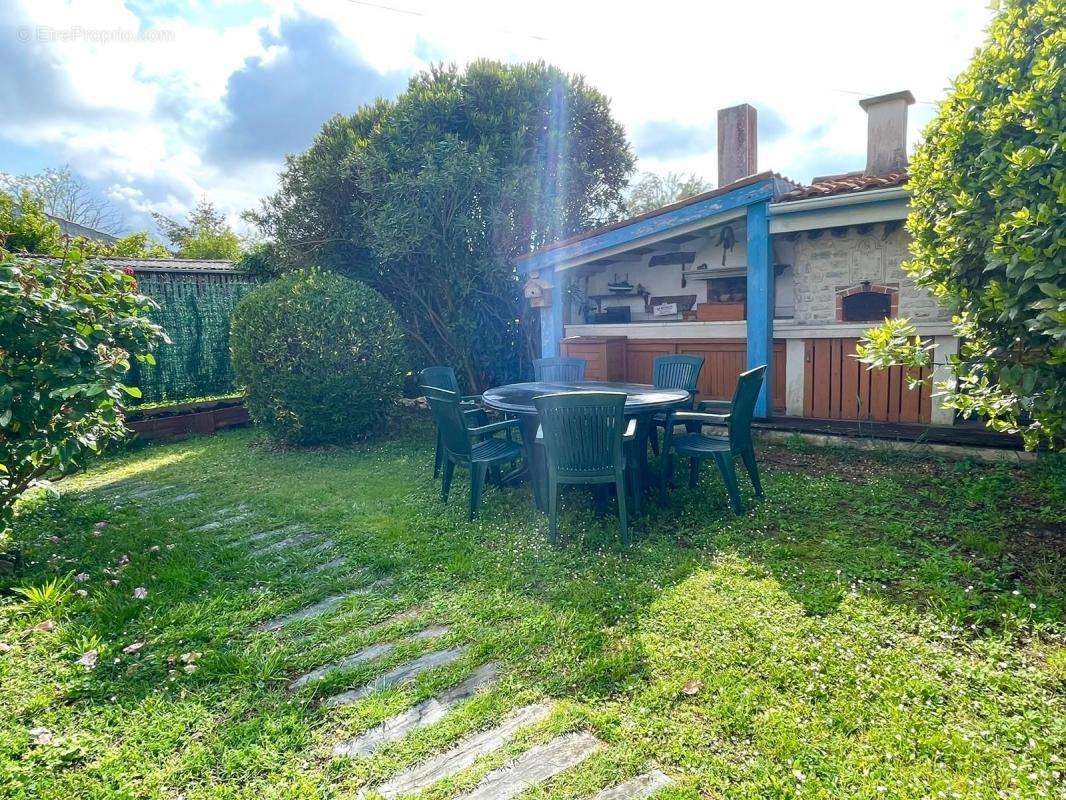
838,386
720,312
606,356
616,358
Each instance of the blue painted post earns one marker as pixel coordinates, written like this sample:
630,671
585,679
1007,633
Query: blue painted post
551,318
760,301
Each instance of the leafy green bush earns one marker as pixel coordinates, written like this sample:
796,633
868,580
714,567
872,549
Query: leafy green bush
988,217
67,331
320,357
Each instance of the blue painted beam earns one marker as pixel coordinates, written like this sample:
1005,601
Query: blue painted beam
551,318
760,301
755,192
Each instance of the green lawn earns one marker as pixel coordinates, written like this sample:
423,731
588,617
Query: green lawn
878,627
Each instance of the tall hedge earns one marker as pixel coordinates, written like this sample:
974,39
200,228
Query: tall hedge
320,357
988,194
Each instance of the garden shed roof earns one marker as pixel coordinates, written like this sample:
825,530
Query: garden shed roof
198,265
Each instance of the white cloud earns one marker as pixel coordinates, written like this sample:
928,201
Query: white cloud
138,115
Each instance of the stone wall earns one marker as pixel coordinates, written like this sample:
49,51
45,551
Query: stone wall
829,263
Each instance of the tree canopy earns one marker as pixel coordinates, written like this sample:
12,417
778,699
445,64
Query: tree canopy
651,191
429,199
988,221
26,228
205,234
63,193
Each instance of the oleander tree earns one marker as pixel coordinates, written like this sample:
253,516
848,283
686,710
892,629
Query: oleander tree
988,228
430,198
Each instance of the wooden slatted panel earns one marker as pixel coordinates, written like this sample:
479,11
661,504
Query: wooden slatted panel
838,386
777,400
640,358
849,382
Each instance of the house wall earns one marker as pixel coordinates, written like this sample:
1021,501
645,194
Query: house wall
823,265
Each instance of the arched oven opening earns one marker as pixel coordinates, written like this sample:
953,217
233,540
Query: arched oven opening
866,303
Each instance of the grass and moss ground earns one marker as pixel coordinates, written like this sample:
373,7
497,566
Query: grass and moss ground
877,627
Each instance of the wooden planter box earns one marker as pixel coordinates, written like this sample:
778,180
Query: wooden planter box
720,312
606,356
176,422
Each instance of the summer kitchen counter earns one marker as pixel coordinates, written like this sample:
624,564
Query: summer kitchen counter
801,353
783,329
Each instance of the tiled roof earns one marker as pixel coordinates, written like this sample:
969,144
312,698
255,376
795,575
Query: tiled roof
158,264
845,184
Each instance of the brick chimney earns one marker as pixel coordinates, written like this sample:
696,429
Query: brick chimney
886,137
738,143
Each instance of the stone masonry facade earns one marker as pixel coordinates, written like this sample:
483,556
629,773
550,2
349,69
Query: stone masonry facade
833,265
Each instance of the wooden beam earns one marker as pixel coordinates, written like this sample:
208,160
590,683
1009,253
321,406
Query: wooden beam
759,191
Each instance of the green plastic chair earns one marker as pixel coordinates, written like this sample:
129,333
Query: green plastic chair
444,378
584,435
559,369
475,448
673,372
723,449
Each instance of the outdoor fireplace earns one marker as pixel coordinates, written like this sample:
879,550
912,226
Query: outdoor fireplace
867,302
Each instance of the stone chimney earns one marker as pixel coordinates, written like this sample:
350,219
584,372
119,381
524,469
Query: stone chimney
738,143
886,137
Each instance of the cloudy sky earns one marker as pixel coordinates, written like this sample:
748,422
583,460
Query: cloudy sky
157,104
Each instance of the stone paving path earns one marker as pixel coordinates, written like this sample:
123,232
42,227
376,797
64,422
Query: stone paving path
321,607
326,566
366,654
529,769
637,788
215,524
535,766
464,754
428,712
271,533
298,540
399,675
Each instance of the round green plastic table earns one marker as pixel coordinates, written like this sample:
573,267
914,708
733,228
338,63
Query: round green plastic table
642,402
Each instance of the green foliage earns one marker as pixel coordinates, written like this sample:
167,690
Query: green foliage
25,228
988,220
320,357
68,332
48,598
204,235
429,199
651,191
896,342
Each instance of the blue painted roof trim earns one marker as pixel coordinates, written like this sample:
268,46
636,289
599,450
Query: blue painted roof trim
642,228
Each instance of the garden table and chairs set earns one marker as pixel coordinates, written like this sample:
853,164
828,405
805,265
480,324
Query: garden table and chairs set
561,429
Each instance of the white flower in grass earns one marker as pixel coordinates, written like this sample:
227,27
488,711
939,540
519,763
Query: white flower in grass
140,593
132,648
81,577
41,736
88,659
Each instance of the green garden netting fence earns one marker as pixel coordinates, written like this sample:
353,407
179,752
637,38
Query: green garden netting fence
194,310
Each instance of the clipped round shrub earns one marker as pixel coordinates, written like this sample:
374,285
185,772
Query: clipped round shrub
320,357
